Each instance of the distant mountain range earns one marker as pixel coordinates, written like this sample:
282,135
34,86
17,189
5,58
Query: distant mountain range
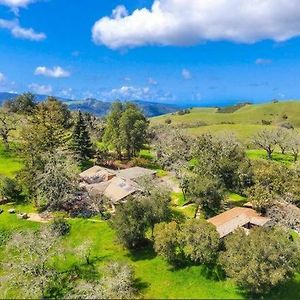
101,108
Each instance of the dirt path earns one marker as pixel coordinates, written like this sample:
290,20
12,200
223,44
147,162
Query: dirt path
35,217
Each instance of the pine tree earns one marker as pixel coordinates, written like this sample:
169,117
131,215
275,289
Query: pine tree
81,144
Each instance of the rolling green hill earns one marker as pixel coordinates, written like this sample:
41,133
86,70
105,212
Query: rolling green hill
244,122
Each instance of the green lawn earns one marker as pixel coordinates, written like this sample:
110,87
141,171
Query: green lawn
276,156
243,132
9,163
236,199
156,279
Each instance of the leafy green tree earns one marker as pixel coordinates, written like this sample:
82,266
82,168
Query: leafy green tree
201,241
219,156
7,125
57,183
133,129
261,197
173,148
266,139
10,189
22,104
261,260
43,133
141,213
168,242
156,201
206,191
130,224
273,182
112,134
294,144
81,144
126,129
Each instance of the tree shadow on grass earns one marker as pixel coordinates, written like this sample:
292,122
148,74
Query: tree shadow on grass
145,252
211,272
86,270
288,290
140,285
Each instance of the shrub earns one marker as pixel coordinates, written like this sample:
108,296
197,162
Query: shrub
61,226
9,189
266,122
285,116
168,121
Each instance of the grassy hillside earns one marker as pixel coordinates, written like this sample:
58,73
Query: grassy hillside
245,121
277,113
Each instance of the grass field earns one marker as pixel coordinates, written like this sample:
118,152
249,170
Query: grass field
243,132
156,279
276,156
244,122
277,113
9,163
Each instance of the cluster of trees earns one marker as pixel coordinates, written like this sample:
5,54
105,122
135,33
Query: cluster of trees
29,265
272,183
258,261
134,218
193,241
55,143
209,166
206,166
126,129
288,140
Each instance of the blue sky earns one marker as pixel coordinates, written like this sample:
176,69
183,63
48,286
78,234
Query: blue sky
166,53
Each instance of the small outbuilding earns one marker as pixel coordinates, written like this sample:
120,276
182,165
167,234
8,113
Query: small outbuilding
238,217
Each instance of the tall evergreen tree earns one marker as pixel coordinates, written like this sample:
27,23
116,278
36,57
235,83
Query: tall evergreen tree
81,144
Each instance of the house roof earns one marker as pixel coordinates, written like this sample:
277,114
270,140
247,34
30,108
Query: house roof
96,170
119,189
135,173
115,189
236,217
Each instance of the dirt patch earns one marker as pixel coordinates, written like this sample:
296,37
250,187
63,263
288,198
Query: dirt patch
39,218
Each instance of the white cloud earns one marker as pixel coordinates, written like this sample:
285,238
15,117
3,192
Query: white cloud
128,93
137,93
186,74
20,32
182,22
16,3
263,61
40,89
56,72
119,12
